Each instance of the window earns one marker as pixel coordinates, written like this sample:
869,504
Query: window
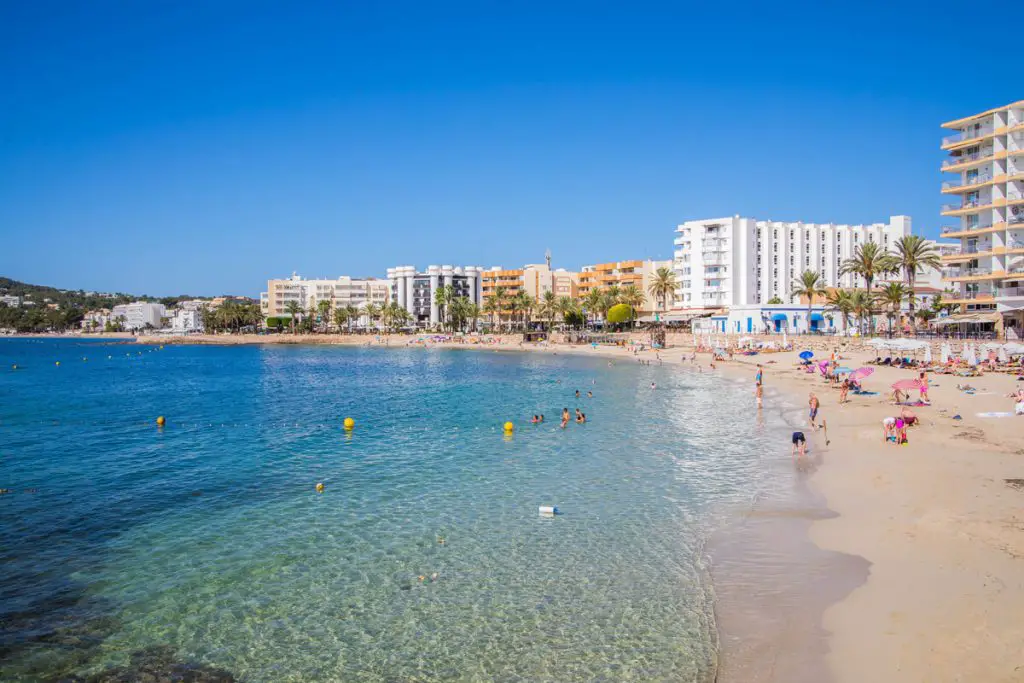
758,259
790,260
775,259
775,273
856,238
775,234
822,247
775,247
807,261
838,250
807,235
759,274
791,235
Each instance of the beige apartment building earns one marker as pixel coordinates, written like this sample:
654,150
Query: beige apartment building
534,279
620,274
345,291
986,158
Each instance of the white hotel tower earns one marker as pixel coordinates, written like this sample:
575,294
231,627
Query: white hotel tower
986,158
722,262
414,291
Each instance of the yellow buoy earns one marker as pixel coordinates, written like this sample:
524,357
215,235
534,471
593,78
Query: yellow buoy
509,426
160,421
57,363
350,423
319,487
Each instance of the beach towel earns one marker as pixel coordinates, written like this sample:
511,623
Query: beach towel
994,414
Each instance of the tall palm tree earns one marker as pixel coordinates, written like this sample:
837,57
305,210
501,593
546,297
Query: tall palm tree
472,312
372,312
663,286
914,254
340,317
293,309
863,306
869,262
443,298
892,296
567,306
548,308
513,308
495,304
632,296
593,302
323,310
523,302
841,301
810,285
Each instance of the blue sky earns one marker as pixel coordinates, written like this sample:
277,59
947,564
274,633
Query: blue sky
172,147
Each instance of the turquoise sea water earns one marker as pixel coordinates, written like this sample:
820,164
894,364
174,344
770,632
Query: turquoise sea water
207,539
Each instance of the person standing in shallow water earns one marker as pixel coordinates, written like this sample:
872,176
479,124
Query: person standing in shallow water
812,404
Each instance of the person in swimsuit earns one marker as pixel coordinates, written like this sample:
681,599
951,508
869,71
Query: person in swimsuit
844,389
923,388
759,377
812,404
799,445
888,428
535,420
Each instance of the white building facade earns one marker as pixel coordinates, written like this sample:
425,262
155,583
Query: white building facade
986,158
342,292
724,262
10,300
139,315
187,321
414,291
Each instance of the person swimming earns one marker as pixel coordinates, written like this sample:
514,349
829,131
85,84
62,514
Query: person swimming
581,418
535,420
590,394
577,393
565,417
541,417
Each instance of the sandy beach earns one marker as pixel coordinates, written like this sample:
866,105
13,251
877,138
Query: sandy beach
922,545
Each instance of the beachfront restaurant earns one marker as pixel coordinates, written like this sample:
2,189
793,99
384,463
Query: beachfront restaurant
771,319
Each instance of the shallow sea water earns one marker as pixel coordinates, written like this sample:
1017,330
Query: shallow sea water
208,539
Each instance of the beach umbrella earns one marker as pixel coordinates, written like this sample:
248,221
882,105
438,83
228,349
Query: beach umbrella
945,353
1002,355
807,355
906,384
843,370
861,373
928,354
1014,349
970,356
784,342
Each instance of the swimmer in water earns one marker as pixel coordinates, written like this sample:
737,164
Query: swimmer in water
577,393
541,417
581,418
590,394
565,417
653,385
535,420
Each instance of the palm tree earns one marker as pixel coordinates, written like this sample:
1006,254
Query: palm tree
632,296
892,295
293,309
663,286
566,306
869,261
495,304
841,300
593,302
914,254
472,313
513,309
863,306
548,308
323,309
443,298
810,285
523,303
925,315
352,313
340,318
372,312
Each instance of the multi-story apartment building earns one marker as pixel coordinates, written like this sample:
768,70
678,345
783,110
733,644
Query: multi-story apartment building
139,315
345,291
10,300
621,274
534,279
415,291
722,262
986,156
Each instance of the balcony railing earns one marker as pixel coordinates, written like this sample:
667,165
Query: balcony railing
973,204
977,180
980,294
1015,219
965,158
970,272
970,135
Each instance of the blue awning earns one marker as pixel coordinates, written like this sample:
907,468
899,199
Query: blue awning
779,316
817,317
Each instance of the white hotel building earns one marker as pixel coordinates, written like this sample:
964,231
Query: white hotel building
723,262
986,158
414,291
345,291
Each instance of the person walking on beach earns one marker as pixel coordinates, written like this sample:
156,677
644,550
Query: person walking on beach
812,404
844,389
923,387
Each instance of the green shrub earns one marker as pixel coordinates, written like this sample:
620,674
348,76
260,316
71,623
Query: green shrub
620,313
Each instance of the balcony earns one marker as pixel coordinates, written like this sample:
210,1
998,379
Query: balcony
969,135
968,158
1009,292
956,185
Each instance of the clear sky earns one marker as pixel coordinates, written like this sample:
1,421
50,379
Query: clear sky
169,146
